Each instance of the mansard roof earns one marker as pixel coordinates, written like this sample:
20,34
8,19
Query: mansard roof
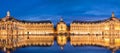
41,21
78,21
10,18
112,18
99,21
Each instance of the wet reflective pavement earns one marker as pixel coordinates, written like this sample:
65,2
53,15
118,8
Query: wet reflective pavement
56,49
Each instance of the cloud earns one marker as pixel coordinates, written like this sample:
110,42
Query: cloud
55,8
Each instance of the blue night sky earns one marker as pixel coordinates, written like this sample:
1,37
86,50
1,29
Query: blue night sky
54,9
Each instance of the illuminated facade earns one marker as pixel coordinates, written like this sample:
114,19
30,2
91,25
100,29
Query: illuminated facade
16,33
96,27
25,27
61,27
104,32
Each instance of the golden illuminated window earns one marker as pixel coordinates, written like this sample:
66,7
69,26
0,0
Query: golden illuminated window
117,28
106,27
106,40
117,41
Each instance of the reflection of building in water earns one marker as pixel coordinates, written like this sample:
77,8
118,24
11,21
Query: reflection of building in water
104,32
14,33
61,40
62,30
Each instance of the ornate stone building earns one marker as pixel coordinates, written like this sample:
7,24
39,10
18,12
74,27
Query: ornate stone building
16,33
104,32
61,27
25,27
96,27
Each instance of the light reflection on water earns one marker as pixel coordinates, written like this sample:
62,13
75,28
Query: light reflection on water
56,49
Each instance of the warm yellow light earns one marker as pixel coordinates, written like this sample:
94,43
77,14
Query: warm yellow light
117,40
106,40
106,28
61,40
117,28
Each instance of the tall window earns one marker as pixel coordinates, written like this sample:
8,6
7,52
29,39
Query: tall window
3,27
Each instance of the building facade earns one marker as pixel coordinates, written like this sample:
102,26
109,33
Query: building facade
25,27
15,33
96,27
104,32
61,27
